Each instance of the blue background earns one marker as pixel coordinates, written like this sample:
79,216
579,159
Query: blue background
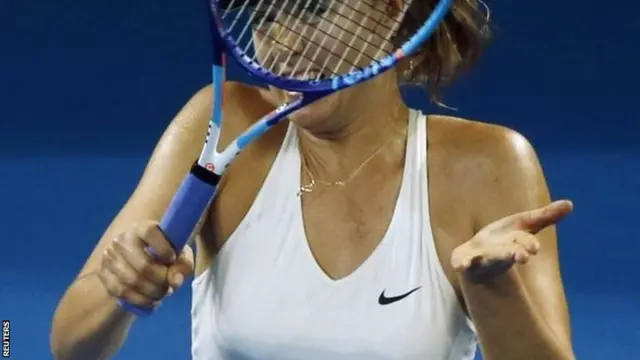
87,87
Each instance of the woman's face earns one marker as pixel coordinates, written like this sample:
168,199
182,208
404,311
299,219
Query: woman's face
320,39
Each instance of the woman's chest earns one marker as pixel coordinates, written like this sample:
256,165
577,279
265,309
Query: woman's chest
372,315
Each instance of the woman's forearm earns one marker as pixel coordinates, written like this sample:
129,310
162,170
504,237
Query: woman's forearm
88,324
508,325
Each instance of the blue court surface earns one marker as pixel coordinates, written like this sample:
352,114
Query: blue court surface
86,89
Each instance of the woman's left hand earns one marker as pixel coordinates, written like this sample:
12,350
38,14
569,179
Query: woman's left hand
499,245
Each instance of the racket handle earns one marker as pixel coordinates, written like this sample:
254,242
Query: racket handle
182,217
187,206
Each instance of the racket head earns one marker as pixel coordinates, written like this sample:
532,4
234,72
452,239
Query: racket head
317,57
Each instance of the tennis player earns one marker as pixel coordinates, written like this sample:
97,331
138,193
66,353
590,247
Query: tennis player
360,229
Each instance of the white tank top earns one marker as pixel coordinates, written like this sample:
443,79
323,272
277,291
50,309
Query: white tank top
265,297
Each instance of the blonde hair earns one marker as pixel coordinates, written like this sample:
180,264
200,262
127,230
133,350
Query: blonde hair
453,48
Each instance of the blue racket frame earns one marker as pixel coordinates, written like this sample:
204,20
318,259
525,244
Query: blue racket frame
198,189
338,82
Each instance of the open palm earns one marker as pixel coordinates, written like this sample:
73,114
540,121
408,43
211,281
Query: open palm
501,244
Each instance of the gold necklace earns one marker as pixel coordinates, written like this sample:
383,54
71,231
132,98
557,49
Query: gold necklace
311,185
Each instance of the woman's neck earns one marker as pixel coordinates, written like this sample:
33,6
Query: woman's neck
334,153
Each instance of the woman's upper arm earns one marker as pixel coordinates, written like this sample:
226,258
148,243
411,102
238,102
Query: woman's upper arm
172,157
517,184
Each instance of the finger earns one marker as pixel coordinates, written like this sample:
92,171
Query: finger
500,249
470,260
538,219
535,220
182,268
130,278
131,248
505,253
521,255
460,258
529,242
116,288
486,268
154,238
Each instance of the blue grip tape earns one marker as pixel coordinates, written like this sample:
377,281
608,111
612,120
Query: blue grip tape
186,209
134,309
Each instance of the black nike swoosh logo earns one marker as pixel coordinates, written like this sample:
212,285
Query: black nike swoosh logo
383,300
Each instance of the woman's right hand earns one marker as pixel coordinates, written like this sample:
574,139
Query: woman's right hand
130,273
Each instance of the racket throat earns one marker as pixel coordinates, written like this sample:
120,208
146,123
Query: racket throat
206,175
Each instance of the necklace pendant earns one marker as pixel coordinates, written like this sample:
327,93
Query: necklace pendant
306,188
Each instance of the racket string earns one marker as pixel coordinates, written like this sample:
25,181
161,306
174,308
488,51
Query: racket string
292,50
389,35
297,41
314,34
243,32
344,31
349,47
335,45
270,30
333,54
251,20
290,32
309,41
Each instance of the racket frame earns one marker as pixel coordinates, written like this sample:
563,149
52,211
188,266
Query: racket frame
333,84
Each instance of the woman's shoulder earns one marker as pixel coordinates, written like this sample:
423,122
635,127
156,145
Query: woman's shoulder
478,139
496,167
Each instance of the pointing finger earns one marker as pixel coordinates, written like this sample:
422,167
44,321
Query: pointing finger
534,221
529,242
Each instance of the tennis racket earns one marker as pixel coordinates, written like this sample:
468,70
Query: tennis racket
311,48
